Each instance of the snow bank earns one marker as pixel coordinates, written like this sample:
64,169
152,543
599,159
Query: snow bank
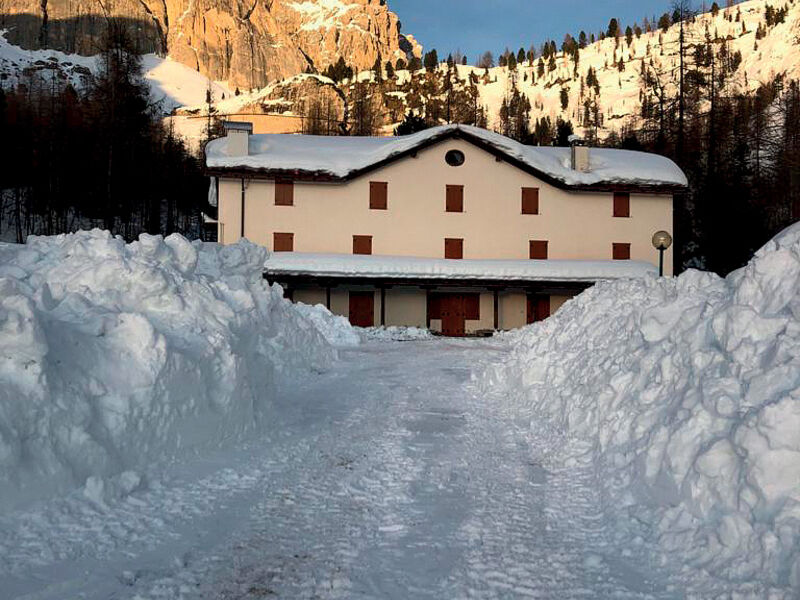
334,328
688,391
395,333
115,355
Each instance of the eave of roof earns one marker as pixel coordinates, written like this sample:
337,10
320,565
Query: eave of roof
400,268
322,176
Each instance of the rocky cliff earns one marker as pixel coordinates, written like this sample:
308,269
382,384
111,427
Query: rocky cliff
247,43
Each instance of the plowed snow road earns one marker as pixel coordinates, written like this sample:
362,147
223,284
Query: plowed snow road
389,477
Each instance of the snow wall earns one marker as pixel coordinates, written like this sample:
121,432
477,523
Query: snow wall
116,355
687,393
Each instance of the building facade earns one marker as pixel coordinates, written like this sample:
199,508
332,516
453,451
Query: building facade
528,227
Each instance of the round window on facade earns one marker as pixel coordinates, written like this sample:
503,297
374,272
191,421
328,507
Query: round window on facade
455,158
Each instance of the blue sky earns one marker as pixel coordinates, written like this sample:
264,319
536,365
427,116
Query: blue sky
475,26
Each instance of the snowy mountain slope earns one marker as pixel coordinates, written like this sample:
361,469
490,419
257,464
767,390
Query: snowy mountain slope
686,392
620,96
171,83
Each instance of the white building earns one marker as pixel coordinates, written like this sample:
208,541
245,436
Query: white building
455,228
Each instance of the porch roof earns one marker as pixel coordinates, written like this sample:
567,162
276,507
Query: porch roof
400,268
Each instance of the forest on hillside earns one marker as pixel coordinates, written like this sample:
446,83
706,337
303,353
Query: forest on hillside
95,157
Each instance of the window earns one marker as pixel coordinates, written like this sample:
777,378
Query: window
455,198
622,205
362,244
621,251
455,158
453,248
530,201
378,195
538,249
283,242
284,192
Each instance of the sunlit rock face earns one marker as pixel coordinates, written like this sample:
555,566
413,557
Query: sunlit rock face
247,43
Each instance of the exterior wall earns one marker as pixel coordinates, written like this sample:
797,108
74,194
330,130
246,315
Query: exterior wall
310,296
557,302
340,302
486,320
407,307
326,216
513,310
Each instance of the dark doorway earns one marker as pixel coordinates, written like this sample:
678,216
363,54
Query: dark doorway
538,308
362,309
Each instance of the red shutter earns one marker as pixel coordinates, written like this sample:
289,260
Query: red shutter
378,195
284,193
362,244
283,242
622,205
455,198
530,201
621,251
538,249
453,248
434,306
472,306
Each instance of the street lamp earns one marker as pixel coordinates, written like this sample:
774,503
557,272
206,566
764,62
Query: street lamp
661,241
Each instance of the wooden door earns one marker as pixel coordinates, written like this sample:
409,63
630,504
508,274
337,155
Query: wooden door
362,309
538,308
454,315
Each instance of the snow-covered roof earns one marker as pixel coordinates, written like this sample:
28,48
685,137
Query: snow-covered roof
405,267
342,158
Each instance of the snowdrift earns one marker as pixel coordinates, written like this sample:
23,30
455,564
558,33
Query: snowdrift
687,391
114,355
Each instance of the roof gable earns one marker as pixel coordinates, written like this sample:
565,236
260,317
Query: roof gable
341,159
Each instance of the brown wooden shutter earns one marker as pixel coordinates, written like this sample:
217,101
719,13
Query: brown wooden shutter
538,249
455,198
434,306
621,251
453,248
362,244
622,204
530,201
284,192
283,242
472,306
378,195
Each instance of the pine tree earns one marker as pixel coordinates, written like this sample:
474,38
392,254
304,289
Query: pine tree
431,60
564,98
389,70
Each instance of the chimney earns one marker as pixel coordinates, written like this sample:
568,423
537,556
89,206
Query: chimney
580,154
238,135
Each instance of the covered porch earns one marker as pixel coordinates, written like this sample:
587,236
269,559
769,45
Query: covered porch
451,297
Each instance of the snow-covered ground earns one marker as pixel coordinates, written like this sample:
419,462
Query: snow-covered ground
391,476
641,443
